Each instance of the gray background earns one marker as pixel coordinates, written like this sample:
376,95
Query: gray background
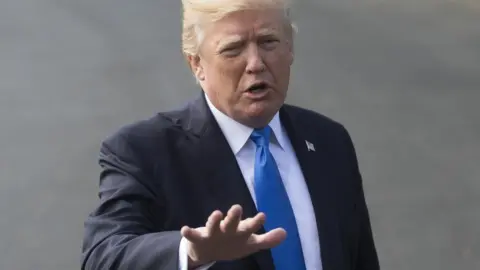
402,75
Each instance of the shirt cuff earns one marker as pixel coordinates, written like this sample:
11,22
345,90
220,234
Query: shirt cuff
183,257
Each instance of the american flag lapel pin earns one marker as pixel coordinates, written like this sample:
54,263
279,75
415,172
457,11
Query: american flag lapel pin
310,146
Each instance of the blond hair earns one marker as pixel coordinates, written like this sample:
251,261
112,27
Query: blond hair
198,12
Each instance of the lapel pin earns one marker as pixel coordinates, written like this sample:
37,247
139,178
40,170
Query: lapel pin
310,146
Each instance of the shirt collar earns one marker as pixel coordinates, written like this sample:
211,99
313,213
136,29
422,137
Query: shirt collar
238,134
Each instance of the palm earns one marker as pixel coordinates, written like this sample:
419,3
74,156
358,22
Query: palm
229,238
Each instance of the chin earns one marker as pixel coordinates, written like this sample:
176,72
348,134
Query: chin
259,115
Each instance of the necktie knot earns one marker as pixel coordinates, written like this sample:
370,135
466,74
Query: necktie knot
261,136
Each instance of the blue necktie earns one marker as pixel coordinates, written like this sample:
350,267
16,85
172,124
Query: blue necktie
272,199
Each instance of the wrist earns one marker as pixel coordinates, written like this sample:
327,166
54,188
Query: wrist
192,263
193,260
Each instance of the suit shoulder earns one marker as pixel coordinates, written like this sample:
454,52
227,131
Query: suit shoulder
314,119
147,133
329,130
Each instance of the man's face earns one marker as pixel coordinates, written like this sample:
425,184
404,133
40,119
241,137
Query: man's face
244,65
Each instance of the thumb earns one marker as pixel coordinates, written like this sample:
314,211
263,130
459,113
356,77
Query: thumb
267,240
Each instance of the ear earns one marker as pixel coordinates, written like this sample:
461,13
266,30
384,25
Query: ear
290,52
196,67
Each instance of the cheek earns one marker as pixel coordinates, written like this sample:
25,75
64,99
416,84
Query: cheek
229,72
280,67
223,78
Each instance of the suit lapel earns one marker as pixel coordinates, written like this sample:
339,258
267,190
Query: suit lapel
219,168
315,167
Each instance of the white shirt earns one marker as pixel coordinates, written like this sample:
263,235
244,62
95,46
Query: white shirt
238,137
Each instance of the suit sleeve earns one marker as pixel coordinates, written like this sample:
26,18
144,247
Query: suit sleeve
125,230
366,254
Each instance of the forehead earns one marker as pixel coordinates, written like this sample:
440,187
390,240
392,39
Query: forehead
247,23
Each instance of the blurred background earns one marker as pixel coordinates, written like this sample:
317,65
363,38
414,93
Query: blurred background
402,75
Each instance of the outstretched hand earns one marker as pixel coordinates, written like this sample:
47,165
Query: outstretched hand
229,238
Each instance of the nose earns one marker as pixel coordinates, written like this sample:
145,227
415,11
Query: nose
255,61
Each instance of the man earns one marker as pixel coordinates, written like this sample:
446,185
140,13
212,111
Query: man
236,179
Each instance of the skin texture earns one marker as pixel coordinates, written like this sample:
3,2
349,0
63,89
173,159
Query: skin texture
229,238
241,49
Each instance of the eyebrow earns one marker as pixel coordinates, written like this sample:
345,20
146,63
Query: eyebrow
231,40
268,32
234,40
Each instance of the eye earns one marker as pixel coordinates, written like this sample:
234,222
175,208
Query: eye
270,40
230,51
269,43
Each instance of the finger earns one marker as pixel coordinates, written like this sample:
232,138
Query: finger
231,221
252,225
192,235
267,240
213,222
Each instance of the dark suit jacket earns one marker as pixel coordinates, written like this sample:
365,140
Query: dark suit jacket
176,168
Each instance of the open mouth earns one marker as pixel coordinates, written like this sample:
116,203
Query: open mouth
257,87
